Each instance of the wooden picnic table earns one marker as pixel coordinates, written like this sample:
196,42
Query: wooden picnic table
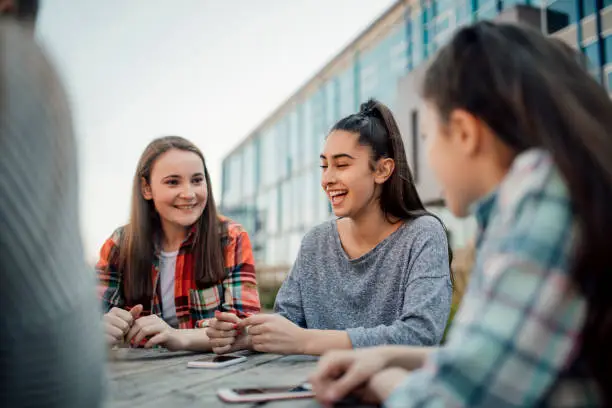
159,378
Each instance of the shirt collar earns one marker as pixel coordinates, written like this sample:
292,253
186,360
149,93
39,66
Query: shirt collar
483,211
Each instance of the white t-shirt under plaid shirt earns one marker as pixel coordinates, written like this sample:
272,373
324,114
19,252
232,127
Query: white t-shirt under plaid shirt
514,340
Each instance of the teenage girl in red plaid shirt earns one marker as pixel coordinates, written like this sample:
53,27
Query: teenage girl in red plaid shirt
177,262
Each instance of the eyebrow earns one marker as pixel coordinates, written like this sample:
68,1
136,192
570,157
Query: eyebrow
179,176
338,156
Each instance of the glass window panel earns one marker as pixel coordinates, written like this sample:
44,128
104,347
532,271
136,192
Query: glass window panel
588,8
369,80
225,177
487,10
417,38
608,49
294,245
280,152
398,53
307,192
331,104
323,208
248,168
560,14
445,4
307,130
428,28
268,158
297,187
234,187
347,92
315,175
592,53
270,257
281,251
293,141
318,125
463,12
273,212
507,4
258,163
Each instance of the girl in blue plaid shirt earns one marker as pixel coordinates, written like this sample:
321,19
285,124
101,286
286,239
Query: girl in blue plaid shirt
518,134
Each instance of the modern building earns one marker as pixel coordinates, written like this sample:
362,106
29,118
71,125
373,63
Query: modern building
271,179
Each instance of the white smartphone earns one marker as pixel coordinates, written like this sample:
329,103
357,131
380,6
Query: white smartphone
216,361
265,393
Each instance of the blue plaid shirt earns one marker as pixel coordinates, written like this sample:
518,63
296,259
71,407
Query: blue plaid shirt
514,339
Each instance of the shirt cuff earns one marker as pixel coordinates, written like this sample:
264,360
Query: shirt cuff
398,398
357,337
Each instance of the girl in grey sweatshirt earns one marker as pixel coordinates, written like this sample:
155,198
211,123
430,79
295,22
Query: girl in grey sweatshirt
379,273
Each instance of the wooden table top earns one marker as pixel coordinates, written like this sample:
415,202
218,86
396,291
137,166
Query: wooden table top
159,378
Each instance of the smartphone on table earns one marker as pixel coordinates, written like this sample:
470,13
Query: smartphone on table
213,361
265,393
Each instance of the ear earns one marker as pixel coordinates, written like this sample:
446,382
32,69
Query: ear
465,131
384,169
145,188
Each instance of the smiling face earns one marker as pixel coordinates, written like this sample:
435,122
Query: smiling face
177,188
348,177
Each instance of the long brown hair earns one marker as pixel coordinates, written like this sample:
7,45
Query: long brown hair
533,91
136,247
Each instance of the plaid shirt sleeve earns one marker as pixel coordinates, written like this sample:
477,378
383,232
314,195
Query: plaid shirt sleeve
109,279
519,321
240,286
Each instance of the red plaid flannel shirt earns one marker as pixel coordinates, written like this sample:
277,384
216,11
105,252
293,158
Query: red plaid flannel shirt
237,293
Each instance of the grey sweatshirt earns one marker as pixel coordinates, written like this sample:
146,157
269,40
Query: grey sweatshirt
398,293
51,337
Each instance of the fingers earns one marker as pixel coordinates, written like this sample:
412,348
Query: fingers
227,317
337,375
222,350
221,325
149,330
136,311
116,321
255,320
113,334
159,338
339,389
141,323
122,314
330,367
263,347
211,333
257,330
111,340
114,331
221,342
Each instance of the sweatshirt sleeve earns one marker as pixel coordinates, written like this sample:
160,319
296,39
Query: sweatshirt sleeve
288,301
51,339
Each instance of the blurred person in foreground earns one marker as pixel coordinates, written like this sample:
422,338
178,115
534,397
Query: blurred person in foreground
519,134
51,349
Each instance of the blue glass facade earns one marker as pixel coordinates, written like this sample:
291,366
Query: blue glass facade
271,182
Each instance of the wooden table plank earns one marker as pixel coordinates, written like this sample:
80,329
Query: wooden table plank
138,376
287,371
154,378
